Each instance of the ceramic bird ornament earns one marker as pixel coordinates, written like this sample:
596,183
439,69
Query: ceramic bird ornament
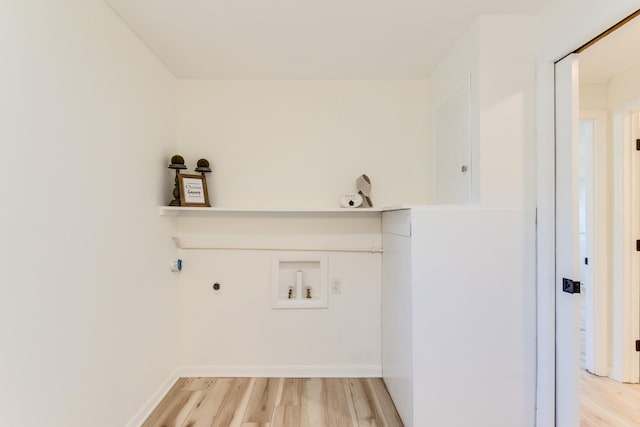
363,184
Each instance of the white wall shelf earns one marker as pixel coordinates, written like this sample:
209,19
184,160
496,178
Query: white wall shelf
192,211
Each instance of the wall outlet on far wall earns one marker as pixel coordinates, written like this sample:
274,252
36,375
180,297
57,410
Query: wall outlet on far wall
336,286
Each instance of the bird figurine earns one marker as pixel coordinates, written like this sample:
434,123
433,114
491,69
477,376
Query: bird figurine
363,184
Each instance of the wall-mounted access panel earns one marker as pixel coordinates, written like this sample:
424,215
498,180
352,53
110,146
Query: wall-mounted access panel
299,280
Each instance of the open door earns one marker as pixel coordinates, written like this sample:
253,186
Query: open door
567,241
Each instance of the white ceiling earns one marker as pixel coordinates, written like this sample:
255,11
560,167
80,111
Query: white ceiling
611,55
306,39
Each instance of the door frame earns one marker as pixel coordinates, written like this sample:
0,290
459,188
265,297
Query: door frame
596,24
545,244
567,260
599,340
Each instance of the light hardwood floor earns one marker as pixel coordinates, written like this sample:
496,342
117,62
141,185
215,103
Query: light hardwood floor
608,403
276,402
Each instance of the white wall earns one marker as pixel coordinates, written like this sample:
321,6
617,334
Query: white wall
303,143
624,88
506,103
87,305
594,96
500,71
496,55
293,144
236,332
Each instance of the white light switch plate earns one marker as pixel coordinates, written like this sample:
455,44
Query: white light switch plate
336,286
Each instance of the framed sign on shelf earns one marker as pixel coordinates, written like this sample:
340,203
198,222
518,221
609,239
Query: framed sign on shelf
193,190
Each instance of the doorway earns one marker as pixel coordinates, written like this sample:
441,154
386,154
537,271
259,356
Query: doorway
597,218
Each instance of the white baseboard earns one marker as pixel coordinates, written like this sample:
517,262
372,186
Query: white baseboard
151,403
287,371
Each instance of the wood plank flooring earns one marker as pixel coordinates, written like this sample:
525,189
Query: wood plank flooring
276,402
608,403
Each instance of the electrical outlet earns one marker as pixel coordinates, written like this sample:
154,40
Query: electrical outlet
336,286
